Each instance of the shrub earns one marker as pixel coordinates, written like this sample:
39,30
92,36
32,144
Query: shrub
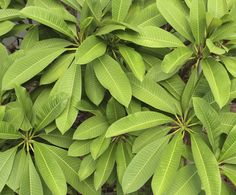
117,96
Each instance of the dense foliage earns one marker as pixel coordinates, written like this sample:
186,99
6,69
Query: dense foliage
117,96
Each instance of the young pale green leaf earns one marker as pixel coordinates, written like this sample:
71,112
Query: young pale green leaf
186,181
50,171
176,59
104,167
7,14
198,20
49,111
70,84
5,27
91,128
30,183
28,66
8,131
167,165
209,118
154,95
142,166
213,48
151,36
134,60
120,9
79,148
217,8
46,17
229,63
90,49
113,78
172,11
94,90
207,166
218,80
6,163
137,121
30,39
87,167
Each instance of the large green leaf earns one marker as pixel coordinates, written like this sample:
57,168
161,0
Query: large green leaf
207,166
46,17
151,36
120,9
209,118
142,166
172,10
90,49
6,163
113,78
70,84
8,131
7,14
154,95
28,66
176,59
30,39
137,121
134,61
50,171
87,167
218,80
5,27
167,165
30,183
91,128
79,148
217,8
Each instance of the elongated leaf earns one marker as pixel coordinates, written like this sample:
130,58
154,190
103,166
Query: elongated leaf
79,148
113,78
6,163
134,61
87,167
154,95
198,20
47,18
217,8
151,36
186,181
31,183
50,171
137,121
142,166
8,131
213,48
104,167
229,63
167,165
230,171
30,39
218,80
28,66
174,60
207,166
92,48
120,9
5,27
169,10
7,14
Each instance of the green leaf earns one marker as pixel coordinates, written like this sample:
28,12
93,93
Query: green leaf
5,27
30,39
137,121
49,111
6,163
207,166
79,148
142,166
152,37
198,20
218,80
31,183
120,9
167,165
230,172
213,48
179,22
229,63
87,167
46,17
186,181
113,78
217,8
4,3
104,167
91,128
7,14
8,131
94,90
71,85
50,171
173,61
209,118
134,60
154,95
28,66
90,49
